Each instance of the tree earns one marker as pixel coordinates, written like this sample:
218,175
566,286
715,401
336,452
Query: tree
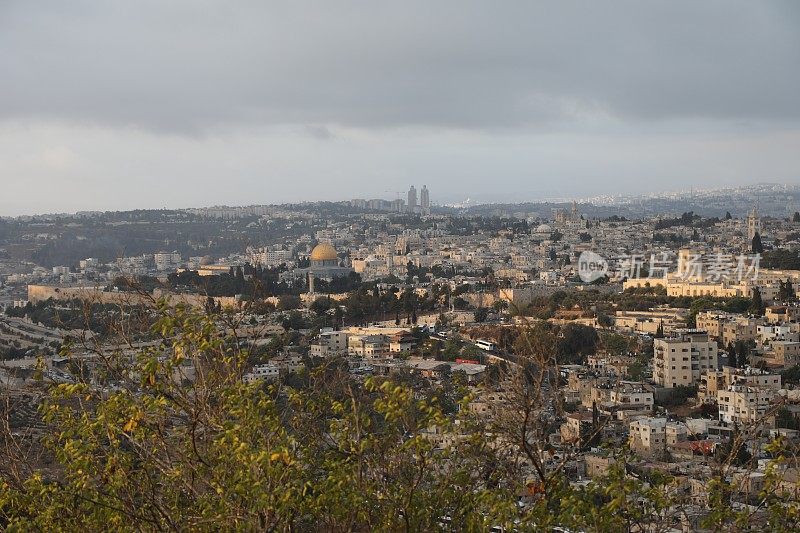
786,291
733,450
785,419
223,454
604,320
321,306
731,349
480,314
757,305
728,215
157,451
742,355
796,217
757,247
287,302
791,375
575,342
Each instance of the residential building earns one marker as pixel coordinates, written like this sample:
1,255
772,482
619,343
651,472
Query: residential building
647,436
715,381
329,343
683,359
266,372
743,404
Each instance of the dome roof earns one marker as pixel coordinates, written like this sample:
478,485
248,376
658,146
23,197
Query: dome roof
543,228
323,252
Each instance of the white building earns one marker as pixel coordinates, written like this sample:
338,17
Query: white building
329,343
648,435
631,394
266,372
167,261
682,360
743,404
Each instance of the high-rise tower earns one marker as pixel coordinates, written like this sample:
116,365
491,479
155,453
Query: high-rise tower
424,198
412,199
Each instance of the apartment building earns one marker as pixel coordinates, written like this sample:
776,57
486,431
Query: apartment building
647,436
631,394
786,353
368,345
713,382
728,327
776,314
683,359
768,333
167,260
329,343
401,342
266,372
743,404
740,329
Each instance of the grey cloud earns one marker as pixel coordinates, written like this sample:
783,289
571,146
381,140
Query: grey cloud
191,67
322,133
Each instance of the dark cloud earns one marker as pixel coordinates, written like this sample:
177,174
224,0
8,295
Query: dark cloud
150,103
192,66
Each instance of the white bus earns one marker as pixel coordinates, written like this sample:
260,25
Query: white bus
483,344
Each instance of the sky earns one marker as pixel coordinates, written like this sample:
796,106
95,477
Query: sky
147,104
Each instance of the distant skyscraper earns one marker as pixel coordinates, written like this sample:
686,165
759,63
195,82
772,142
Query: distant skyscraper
412,199
424,198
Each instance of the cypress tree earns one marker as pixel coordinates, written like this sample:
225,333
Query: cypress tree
757,247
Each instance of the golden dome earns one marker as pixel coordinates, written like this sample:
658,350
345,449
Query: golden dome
323,252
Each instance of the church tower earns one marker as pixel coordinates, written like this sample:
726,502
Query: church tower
753,224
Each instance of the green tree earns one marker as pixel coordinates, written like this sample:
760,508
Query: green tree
157,451
785,419
757,247
742,354
733,451
757,305
575,342
731,349
786,291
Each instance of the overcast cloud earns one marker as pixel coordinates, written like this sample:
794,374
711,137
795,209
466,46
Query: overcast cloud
113,105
